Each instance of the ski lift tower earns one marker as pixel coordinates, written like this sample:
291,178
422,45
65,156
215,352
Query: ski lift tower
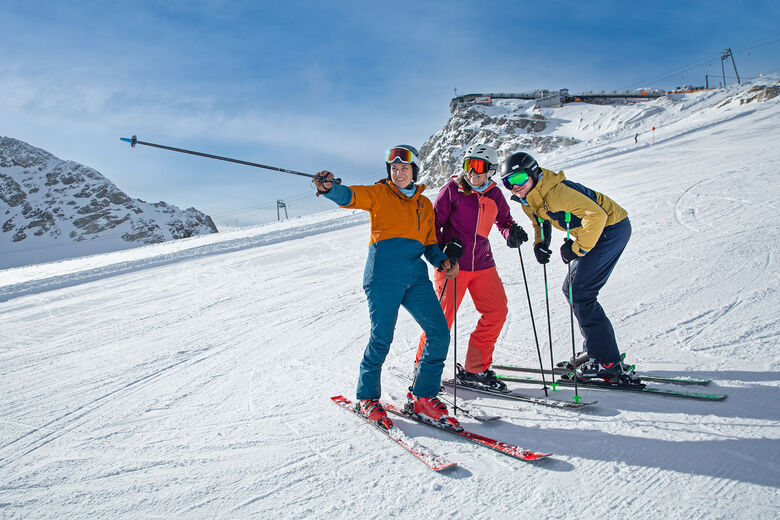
281,205
723,57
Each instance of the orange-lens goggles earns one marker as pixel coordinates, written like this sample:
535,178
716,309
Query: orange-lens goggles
399,154
478,165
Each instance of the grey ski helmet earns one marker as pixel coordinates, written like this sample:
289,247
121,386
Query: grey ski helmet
485,152
518,162
397,154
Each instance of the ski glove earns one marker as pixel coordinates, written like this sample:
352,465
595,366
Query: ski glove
319,182
453,249
567,253
542,252
517,236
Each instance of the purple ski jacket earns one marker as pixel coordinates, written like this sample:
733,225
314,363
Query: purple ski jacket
469,218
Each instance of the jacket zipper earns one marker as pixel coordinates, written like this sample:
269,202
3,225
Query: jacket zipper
476,228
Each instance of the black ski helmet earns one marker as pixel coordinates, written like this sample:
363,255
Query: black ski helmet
415,160
517,162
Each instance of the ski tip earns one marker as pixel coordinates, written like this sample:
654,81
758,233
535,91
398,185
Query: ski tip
445,467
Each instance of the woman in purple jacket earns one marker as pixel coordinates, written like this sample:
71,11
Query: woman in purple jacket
466,208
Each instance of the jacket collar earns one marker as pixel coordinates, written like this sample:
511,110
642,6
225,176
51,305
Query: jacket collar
392,187
459,179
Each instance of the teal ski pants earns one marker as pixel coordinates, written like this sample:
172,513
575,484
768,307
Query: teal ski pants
419,298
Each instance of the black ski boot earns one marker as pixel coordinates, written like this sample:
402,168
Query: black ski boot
581,358
485,379
609,372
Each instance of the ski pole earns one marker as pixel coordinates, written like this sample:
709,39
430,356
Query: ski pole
454,250
533,322
455,345
134,141
547,305
571,316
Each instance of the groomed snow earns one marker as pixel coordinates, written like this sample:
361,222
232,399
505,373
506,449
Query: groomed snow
192,379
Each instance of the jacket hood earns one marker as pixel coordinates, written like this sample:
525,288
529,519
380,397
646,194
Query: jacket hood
547,181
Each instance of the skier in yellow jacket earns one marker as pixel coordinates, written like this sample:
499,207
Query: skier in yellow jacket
600,229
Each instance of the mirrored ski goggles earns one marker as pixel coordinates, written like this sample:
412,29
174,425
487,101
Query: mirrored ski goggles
478,165
399,155
516,179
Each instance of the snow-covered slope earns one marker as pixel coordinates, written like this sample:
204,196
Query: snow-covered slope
52,209
192,379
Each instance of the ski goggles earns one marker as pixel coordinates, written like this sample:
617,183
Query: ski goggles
515,179
478,165
400,155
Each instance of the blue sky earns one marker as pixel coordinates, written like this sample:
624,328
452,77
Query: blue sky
323,85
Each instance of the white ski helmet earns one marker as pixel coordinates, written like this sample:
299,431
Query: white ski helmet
486,153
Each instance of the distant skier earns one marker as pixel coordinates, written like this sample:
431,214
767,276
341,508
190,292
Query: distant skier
466,208
402,231
636,138
601,229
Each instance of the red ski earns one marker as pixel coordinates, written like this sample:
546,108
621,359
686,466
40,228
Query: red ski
430,459
502,447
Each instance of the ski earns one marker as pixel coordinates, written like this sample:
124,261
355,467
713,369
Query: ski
502,447
520,397
430,459
474,413
604,385
564,371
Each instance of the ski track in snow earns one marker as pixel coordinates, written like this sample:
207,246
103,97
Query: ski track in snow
195,381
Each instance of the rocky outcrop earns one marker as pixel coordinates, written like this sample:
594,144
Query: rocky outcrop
43,196
506,128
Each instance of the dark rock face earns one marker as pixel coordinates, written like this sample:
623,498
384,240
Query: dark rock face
41,195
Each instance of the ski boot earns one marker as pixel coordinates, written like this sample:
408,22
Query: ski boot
432,410
609,372
374,411
572,363
486,379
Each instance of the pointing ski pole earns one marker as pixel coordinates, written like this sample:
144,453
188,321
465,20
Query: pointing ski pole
547,305
571,316
134,141
533,322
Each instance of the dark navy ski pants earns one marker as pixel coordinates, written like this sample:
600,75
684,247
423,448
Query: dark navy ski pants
589,274
419,298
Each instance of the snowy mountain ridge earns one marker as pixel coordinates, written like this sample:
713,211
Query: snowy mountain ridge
560,137
51,208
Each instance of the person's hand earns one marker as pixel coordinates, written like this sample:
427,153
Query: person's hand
450,267
542,252
567,253
516,236
453,249
323,181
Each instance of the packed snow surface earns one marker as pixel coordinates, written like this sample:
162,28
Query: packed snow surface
192,379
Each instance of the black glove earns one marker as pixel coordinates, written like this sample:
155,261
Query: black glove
453,249
542,252
567,253
517,236
319,182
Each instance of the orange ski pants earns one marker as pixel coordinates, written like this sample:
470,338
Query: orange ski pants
487,293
